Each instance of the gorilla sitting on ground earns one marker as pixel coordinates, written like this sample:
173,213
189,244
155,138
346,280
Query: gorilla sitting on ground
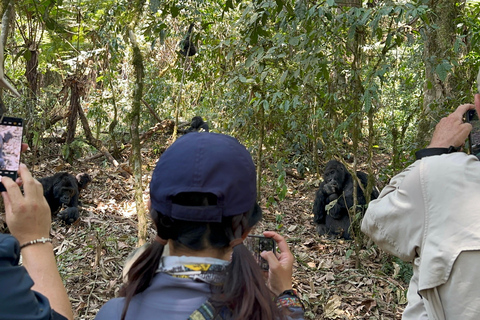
62,190
197,124
335,196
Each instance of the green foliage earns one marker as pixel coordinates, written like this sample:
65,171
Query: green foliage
317,71
75,150
398,268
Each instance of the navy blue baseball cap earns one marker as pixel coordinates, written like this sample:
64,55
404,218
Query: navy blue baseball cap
204,162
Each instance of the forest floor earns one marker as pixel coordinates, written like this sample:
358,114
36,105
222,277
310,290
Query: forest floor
333,279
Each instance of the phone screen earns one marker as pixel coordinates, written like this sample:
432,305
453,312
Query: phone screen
474,136
256,245
11,131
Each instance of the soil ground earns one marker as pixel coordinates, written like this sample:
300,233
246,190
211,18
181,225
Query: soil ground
334,281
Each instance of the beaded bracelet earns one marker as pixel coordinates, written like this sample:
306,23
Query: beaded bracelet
42,240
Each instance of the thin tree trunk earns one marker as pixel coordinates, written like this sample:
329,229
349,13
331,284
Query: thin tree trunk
261,113
134,129
91,139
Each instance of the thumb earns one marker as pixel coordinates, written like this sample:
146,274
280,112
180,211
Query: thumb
270,257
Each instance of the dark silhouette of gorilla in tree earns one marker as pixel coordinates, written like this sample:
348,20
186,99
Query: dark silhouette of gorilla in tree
335,197
187,47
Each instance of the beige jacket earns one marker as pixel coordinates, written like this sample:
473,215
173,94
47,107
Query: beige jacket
429,214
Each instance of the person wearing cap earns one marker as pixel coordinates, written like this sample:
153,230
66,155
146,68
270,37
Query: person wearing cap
428,215
203,204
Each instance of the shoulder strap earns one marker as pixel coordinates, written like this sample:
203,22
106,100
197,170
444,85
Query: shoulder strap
208,312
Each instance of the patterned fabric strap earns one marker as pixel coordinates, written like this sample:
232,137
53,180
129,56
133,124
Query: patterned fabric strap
289,302
210,273
205,312
208,312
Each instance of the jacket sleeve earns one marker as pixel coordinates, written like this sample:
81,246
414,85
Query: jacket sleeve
19,301
395,221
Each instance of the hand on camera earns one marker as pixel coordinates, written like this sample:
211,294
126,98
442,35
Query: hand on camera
451,130
280,265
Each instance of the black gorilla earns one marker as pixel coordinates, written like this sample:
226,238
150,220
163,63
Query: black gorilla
197,124
63,189
335,196
187,48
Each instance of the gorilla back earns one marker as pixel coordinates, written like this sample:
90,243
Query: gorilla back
334,198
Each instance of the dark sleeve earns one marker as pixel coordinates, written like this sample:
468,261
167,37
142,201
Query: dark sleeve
17,299
57,316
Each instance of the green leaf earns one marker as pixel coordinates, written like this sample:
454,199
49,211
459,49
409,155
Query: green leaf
174,11
280,4
284,76
249,62
442,70
27,55
294,41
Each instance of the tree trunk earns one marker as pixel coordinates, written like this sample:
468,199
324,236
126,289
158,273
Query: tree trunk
439,41
134,130
261,114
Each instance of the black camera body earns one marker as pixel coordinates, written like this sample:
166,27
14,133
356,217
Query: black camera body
474,137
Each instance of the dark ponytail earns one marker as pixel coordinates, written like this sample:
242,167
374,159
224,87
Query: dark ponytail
244,290
141,274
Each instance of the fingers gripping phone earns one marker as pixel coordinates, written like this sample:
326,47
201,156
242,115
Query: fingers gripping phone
257,244
11,130
474,136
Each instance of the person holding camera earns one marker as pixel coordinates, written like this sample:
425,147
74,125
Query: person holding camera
35,290
203,204
428,214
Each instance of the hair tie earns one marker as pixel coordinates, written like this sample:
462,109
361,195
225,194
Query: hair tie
236,242
160,240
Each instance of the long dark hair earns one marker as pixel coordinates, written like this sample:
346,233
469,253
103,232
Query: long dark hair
244,291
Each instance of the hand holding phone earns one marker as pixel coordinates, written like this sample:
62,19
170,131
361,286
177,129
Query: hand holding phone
257,244
11,130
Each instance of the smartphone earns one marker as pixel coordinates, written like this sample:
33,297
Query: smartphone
257,244
474,137
11,131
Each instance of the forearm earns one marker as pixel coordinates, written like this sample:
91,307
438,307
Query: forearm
39,260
